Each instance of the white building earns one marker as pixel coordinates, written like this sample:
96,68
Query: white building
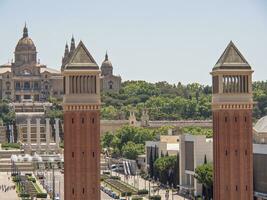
192,152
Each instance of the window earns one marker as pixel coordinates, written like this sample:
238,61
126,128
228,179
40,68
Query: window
82,120
236,188
235,119
36,85
225,119
27,85
73,154
83,190
226,152
27,97
72,121
246,152
72,190
17,85
17,97
93,120
245,119
110,85
93,154
8,85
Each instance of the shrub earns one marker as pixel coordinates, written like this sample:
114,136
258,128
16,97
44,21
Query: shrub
143,191
156,197
137,198
24,195
41,195
115,177
11,145
126,194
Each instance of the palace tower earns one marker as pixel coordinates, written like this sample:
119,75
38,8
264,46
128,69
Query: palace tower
232,105
81,126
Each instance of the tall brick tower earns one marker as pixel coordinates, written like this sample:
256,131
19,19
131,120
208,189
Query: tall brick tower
81,126
232,105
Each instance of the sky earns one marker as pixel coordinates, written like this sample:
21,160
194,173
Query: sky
152,40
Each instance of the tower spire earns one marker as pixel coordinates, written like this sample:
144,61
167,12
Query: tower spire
66,50
106,56
72,44
25,31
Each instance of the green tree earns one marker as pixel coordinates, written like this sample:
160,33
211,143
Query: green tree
132,150
196,130
106,140
165,165
7,114
204,176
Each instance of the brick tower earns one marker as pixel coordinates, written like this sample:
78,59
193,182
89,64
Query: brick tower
232,105
81,126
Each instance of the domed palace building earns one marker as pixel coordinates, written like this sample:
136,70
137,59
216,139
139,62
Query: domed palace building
109,82
260,131
26,79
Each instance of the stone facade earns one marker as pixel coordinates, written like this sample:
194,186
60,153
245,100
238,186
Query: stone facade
232,105
108,81
81,105
26,79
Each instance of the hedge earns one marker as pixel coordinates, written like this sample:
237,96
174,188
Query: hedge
137,198
24,195
41,195
11,145
115,177
143,191
156,197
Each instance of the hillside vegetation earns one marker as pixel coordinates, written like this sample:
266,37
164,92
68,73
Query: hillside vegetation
166,101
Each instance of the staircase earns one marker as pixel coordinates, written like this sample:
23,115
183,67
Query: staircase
5,166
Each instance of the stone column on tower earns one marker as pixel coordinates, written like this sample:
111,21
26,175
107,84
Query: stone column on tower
38,135
28,134
57,133
47,134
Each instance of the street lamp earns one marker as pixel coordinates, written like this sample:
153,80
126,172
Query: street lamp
167,192
149,188
158,185
172,190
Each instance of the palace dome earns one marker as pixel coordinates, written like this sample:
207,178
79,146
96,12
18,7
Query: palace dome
106,63
261,125
25,43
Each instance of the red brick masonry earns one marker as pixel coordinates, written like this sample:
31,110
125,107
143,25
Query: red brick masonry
232,149
82,155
